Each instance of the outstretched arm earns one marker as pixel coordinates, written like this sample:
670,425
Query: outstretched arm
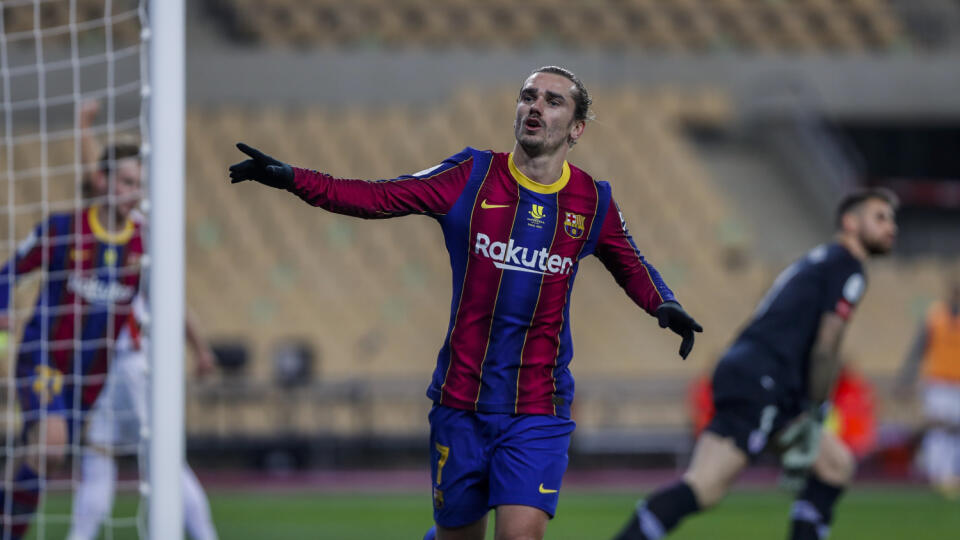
432,192
620,255
641,281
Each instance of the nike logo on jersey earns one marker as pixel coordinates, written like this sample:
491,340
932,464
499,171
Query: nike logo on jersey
510,256
546,491
486,206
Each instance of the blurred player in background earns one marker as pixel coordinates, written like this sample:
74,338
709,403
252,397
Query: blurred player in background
90,260
775,381
516,225
121,411
936,353
114,429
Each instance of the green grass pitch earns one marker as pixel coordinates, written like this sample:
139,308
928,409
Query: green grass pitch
866,513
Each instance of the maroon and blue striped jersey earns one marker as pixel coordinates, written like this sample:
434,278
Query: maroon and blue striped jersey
514,247
90,276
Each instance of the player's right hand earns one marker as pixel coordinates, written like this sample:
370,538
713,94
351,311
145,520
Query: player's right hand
799,443
88,112
262,168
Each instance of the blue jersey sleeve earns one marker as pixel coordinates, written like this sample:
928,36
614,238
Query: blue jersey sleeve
27,258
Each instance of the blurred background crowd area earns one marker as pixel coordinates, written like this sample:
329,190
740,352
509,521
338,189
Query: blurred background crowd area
728,129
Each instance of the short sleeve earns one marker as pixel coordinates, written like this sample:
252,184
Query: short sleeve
846,284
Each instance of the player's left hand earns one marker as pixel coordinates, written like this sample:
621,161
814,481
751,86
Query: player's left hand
672,316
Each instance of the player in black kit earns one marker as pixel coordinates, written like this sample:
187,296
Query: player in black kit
770,389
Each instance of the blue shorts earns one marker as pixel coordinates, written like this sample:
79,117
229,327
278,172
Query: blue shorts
43,390
479,461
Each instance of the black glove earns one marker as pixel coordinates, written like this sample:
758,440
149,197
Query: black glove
672,316
262,168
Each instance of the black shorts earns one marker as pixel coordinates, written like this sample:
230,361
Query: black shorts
750,403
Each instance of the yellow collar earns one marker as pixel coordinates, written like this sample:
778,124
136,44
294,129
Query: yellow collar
534,186
102,234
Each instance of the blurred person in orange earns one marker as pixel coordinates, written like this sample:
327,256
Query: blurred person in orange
935,358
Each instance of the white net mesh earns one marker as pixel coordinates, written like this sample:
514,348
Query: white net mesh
72,74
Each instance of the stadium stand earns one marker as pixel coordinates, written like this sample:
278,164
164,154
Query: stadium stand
92,22
696,26
295,259
370,298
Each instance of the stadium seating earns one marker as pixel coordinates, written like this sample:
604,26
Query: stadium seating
754,26
52,21
371,297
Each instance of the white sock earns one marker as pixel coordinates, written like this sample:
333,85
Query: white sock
93,497
196,509
938,453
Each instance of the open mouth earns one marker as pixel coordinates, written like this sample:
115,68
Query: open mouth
532,123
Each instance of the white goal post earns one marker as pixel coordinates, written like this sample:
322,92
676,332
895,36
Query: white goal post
76,75
165,152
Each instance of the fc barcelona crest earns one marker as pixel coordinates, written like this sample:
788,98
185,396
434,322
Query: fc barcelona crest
573,224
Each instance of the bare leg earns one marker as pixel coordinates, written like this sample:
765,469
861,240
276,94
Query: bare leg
474,531
835,463
715,465
517,522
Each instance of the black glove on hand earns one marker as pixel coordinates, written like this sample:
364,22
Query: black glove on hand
672,316
262,168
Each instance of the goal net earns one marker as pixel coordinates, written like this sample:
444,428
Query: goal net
74,92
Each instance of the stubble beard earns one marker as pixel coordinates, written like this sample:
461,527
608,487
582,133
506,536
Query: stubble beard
875,247
534,146
531,148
